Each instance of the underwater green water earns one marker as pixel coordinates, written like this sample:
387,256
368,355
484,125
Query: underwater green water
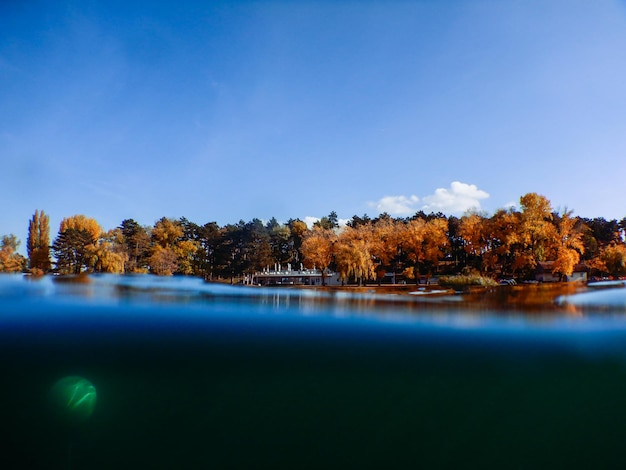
179,374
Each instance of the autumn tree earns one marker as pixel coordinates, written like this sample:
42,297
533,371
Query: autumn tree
82,223
76,243
504,252
38,243
196,248
384,242
10,260
436,241
599,234
473,230
317,249
187,247
536,228
185,251
423,242
353,256
171,251
163,261
109,254
411,241
167,232
567,244
614,258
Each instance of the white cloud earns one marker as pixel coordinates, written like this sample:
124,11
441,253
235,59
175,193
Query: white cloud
309,220
456,199
397,205
459,198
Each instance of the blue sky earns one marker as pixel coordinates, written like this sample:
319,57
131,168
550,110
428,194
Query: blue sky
221,111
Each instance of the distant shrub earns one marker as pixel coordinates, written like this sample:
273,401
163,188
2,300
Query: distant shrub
466,280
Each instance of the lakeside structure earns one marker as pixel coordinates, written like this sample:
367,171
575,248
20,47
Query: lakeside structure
313,277
291,277
543,273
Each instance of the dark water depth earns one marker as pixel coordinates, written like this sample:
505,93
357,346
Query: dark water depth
189,375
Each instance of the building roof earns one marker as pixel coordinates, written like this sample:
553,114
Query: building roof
548,266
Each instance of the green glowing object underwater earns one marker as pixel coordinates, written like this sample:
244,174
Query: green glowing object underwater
73,398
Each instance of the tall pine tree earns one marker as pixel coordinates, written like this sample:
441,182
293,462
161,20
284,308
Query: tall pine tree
38,243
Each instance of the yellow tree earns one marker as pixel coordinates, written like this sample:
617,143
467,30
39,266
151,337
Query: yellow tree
109,254
424,242
185,251
503,241
614,258
172,252
536,227
167,232
384,244
82,223
353,255
163,261
317,249
412,242
567,244
435,241
10,260
473,229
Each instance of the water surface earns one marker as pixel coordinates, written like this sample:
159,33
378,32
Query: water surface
195,375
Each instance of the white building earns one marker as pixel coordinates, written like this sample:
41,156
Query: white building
289,277
543,273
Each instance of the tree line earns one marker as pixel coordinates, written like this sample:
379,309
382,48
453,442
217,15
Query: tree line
509,243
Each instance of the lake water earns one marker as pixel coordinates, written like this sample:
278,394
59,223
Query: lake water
146,372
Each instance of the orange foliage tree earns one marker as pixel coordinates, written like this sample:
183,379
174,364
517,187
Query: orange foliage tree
424,243
10,260
82,223
353,255
473,229
510,242
109,255
38,243
385,243
171,251
317,249
614,259
504,243
536,229
567,245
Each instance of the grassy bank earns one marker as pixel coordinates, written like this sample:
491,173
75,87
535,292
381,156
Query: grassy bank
464,281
